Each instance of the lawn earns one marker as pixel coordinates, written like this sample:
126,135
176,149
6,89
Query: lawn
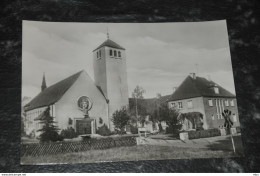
220,149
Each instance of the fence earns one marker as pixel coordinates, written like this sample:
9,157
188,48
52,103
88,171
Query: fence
66,147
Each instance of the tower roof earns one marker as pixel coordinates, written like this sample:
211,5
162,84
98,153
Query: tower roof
198,87
43,82
111,44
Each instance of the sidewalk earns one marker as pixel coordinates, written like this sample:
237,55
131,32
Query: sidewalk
195,143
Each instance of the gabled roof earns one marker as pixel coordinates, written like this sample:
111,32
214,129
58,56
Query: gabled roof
111,44
52,94
198,87
149,104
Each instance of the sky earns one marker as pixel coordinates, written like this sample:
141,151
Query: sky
159,56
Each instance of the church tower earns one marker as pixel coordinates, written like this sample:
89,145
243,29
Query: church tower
110,75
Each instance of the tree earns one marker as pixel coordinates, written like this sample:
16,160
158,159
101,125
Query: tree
120,118
140,110
228,124
49,132
171,117
195,118
138,92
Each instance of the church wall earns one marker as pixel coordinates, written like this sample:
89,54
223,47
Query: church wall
117,88
99,64
67,106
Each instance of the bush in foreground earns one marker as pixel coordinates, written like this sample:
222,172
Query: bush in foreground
69,133
203,133
103,130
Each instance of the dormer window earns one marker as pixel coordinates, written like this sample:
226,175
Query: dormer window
216,90
110,52
115,54
119,54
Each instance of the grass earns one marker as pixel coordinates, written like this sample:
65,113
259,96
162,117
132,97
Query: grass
220,149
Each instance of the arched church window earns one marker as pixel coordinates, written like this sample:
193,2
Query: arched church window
119,54
110,52
99,53
115,53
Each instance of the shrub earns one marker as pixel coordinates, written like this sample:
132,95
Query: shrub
120,119
133,129
203,133
238,129
49,131
69,133
50,136
103,130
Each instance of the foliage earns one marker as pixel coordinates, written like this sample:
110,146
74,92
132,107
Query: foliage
137,109
70,121
49,132
138,92
133,129
100,120
203,133
195,118
171,117
103,130
120,118
69,133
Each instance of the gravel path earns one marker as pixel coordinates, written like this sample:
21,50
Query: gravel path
195,143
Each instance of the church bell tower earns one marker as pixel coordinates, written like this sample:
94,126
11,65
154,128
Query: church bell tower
110,75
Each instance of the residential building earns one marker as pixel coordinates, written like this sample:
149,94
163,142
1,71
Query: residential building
198,94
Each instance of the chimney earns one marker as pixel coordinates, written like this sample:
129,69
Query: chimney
193,75
43,83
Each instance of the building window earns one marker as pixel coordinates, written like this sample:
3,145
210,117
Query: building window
110,52
232,103
210,102
226,103
180,105
172,105
99,53
218,113
119,54
190,105
212,116
115,53
216,90
234,118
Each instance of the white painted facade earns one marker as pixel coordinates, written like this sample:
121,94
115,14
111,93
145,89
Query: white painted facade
111,76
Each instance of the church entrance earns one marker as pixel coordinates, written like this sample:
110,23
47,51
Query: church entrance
84,126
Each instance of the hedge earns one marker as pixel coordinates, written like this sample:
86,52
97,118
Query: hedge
203,133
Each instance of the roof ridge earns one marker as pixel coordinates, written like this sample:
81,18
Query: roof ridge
110,43
53,93
66,79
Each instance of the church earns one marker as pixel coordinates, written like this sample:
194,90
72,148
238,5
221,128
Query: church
80,102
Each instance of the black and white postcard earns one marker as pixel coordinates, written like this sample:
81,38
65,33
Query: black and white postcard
101,92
